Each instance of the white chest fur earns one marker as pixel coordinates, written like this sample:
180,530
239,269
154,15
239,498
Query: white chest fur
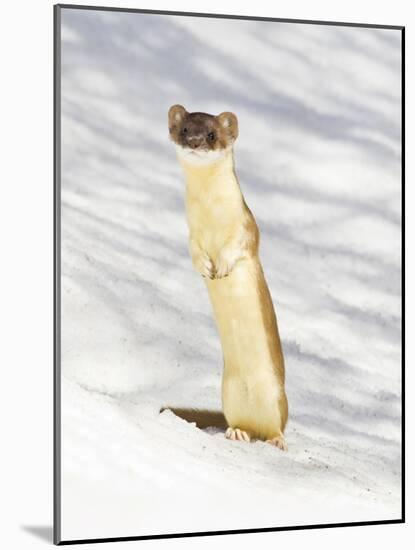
214,204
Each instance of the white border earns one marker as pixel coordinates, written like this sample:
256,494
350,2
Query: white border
26,266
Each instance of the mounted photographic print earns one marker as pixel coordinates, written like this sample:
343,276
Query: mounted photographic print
228,271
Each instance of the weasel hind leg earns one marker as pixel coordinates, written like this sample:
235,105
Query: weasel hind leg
237,435
278,441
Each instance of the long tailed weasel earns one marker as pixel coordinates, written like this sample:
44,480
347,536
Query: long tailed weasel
223,242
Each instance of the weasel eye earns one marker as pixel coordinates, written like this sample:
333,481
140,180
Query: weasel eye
184,131
211,136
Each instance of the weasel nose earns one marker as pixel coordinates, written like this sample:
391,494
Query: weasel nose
194,142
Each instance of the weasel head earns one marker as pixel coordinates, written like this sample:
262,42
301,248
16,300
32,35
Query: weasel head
201,138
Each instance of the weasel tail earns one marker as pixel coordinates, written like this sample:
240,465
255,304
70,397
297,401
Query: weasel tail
223,243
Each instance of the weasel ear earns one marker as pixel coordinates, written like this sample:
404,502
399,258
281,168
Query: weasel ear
229,123
176,114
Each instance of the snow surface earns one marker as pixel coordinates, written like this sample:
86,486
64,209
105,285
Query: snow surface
318,159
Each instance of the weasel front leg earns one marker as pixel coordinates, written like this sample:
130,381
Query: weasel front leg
201,260
227,258
244,242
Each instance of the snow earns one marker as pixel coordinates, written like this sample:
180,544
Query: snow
318,159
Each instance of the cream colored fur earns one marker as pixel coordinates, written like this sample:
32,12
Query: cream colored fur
223,243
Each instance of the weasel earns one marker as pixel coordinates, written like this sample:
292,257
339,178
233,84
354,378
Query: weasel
223,243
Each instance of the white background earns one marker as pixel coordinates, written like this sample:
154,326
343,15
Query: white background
26,245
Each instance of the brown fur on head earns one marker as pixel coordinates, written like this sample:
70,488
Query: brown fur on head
202,132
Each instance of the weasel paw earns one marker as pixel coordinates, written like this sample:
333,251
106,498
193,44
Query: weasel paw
222,270
226,261
205,267
279,442
237,435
